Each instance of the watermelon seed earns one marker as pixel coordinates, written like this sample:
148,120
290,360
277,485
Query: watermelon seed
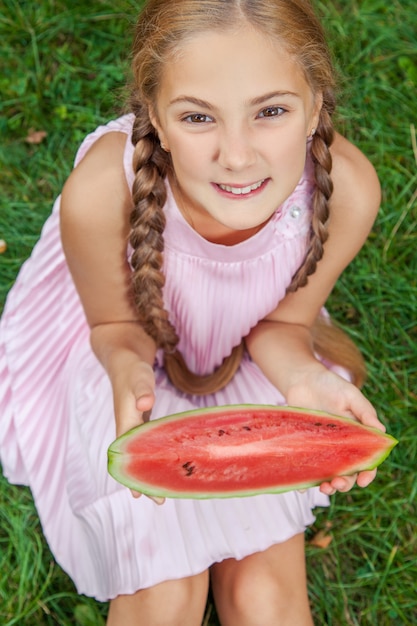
318,424
246,428
189,469
331,425
221,433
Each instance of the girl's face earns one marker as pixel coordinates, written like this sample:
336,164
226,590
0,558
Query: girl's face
235,112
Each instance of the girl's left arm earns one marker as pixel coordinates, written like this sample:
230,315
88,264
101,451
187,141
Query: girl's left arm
281,344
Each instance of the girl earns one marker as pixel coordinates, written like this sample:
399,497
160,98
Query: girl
201,235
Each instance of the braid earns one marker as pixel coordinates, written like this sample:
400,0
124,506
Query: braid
147,220
188,381
322,160
329,341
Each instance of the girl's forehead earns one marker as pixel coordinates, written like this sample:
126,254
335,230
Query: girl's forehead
229,41
217,63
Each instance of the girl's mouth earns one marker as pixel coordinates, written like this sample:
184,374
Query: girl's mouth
240,191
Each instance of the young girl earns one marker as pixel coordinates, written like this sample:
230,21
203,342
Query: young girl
201,235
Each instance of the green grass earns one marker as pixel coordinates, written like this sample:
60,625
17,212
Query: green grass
63,71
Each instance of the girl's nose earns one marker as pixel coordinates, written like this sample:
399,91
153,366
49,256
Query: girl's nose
236,150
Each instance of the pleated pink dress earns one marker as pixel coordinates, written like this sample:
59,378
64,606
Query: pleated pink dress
56,414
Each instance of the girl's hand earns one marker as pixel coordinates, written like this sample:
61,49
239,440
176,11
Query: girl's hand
324,390
134,397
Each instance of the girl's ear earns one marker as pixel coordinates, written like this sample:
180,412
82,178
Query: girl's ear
315,115
157,126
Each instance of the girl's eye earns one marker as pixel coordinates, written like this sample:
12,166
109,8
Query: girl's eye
197,118
271,112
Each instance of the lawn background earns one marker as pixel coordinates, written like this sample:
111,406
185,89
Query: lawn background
63,68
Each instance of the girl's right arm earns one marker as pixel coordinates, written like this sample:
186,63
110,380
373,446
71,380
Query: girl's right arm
95,208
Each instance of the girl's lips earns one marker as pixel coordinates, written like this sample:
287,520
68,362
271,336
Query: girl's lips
241,191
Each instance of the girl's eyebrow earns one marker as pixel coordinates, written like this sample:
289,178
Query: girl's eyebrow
191,100
256,101
273,94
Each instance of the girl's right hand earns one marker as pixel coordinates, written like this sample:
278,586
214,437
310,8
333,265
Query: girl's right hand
96,205
134,397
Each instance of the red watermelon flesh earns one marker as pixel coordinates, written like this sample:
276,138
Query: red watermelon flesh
243,450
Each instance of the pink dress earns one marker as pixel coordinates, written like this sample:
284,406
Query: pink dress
56,416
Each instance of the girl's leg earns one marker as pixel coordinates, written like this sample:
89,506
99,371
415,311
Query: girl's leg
267,588
172,603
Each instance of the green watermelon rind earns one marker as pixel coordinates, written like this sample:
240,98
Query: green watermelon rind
117,449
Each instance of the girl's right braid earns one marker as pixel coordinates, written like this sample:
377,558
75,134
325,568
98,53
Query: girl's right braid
147,225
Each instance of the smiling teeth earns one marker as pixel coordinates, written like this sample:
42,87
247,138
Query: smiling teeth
240,191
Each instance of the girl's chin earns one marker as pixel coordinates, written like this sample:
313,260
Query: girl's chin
243,227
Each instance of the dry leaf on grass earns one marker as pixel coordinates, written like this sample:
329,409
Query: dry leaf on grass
3,246
322,538
35,136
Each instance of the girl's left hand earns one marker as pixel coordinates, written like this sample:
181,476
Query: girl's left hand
326,391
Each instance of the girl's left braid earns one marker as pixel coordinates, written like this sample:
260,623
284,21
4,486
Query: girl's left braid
322,160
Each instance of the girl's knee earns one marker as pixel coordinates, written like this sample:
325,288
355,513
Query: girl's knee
267,588
255,590
181,598
171,603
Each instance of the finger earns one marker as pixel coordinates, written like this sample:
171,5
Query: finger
145,402
371,419
131,411
145,386
327,489
343,483
158,500
363,410
127,419
365,478
340,483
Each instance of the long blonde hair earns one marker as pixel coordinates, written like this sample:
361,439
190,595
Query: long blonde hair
162,28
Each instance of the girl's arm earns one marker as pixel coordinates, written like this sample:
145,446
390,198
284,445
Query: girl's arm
282,345
95,209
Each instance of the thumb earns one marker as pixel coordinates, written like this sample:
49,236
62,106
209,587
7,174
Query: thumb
362,410
133,410
144,404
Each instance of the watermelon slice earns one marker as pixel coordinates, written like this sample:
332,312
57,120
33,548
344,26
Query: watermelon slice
243,450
